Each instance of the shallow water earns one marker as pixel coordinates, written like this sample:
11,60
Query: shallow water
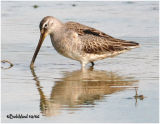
57,90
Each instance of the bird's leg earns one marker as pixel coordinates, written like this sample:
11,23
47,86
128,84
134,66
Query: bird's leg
92,64
83,64
91,67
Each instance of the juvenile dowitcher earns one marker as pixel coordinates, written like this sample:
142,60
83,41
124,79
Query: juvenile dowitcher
80,42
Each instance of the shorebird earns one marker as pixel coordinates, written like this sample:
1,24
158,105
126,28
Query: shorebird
80,42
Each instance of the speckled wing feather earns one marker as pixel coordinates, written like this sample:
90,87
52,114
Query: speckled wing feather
97,42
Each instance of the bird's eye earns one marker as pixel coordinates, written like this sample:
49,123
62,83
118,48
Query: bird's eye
45,25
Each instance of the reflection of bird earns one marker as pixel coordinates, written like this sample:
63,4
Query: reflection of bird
80,89
80,42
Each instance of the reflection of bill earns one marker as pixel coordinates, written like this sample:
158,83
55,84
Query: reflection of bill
80,89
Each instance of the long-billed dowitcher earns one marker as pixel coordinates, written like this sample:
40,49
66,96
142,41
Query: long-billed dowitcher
80,42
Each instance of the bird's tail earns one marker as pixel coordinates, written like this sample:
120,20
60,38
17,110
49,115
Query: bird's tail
130,44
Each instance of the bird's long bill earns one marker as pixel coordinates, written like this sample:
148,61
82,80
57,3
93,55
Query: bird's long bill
42,37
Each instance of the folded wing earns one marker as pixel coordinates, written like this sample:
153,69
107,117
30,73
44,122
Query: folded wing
97,42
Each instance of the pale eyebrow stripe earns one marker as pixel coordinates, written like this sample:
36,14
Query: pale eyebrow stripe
45,23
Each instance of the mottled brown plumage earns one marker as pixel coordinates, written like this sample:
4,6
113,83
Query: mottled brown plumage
80,42
97,42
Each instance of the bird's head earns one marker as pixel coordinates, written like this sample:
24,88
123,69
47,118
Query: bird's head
48,25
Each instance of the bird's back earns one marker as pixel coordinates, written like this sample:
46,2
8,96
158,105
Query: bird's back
97,42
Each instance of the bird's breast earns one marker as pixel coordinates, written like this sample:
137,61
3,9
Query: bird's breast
67,45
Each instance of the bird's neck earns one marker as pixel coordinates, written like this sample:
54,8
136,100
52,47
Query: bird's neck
57,34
